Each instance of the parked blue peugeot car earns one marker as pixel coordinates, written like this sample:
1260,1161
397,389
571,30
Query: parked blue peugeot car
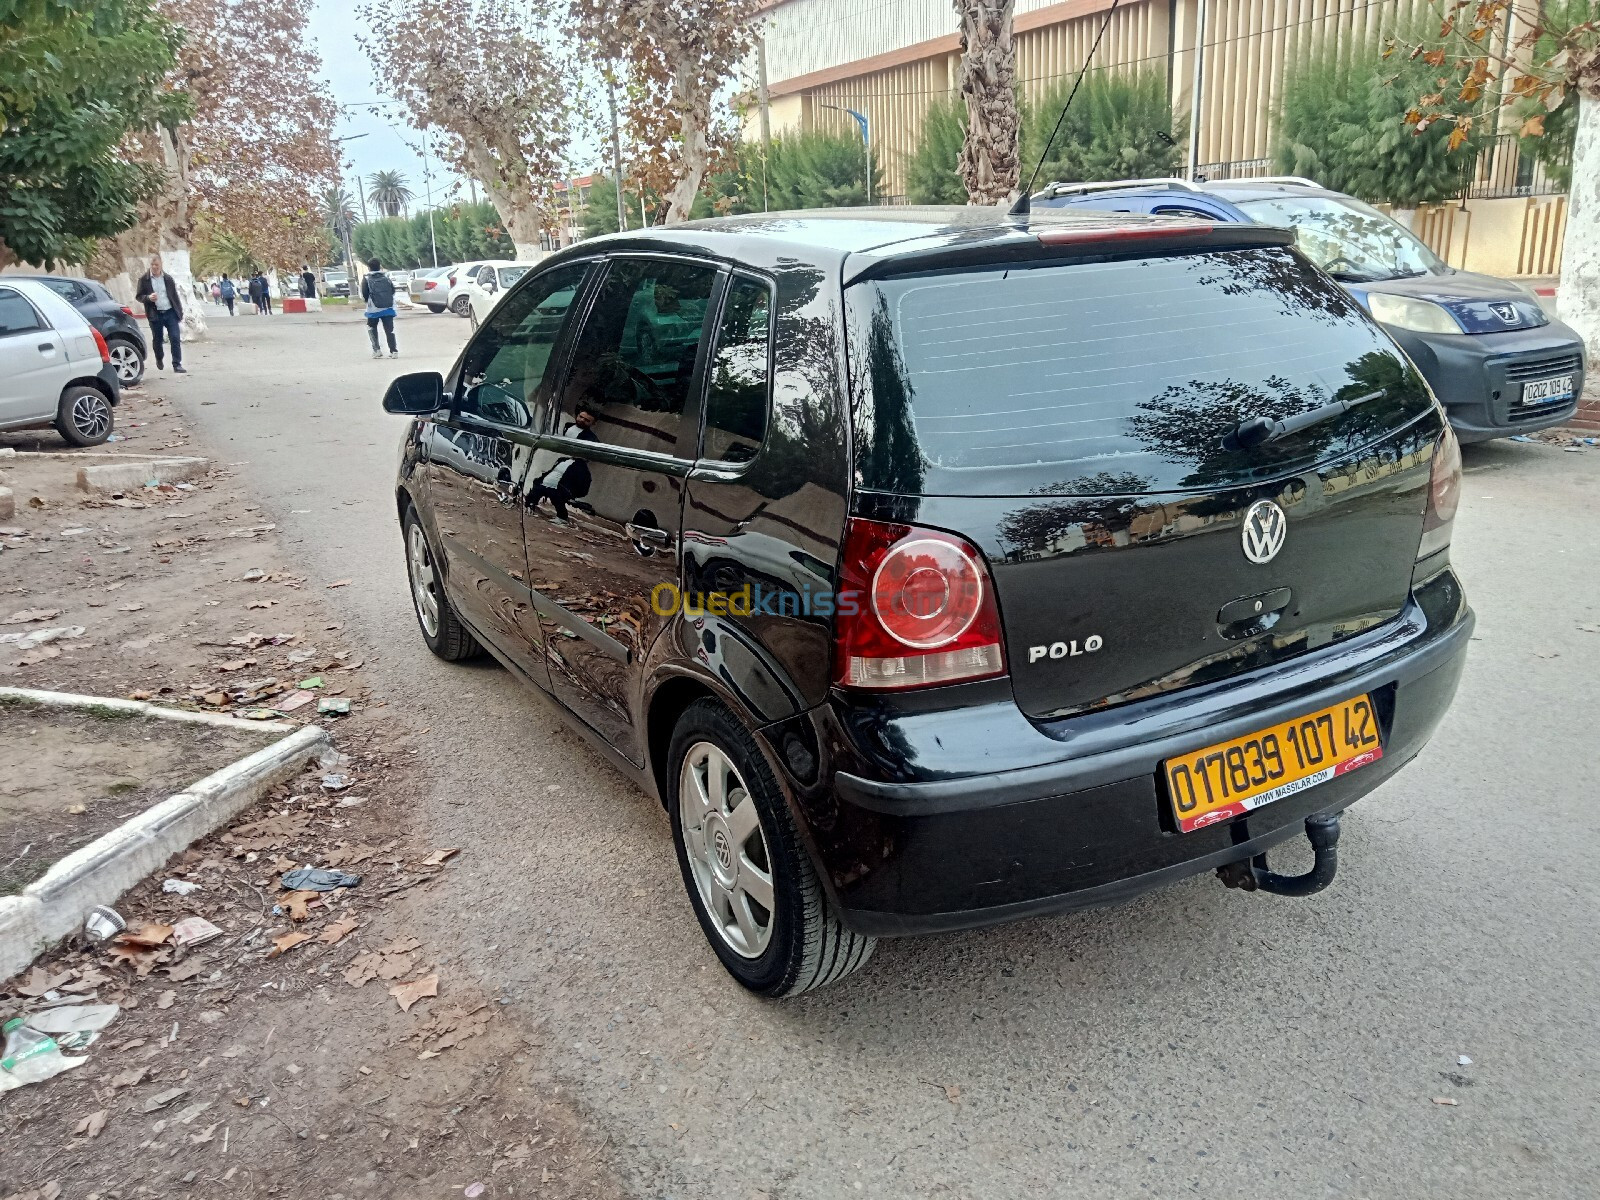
1496,360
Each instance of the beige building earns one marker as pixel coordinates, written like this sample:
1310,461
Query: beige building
892,59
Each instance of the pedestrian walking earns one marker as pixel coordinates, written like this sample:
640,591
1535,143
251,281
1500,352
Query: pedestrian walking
216,293
308,282
377,289
159,293
227,291
266,295
254,288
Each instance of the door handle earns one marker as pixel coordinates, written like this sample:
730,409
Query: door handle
47,348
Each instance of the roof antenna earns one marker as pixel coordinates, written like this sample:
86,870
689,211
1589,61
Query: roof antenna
1024,204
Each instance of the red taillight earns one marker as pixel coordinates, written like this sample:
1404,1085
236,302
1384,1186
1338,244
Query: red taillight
1444,495
127,310
915,609
430,283
100,344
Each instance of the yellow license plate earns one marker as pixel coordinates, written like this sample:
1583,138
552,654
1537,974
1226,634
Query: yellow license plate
1231,778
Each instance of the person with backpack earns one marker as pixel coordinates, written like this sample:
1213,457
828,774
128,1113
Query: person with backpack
377,289
227,291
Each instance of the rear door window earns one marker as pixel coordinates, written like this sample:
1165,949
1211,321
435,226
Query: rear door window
16,314
1114,377
633,362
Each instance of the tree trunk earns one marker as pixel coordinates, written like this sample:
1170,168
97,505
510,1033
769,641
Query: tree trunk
694,125
166,230
523,215
1580,255
989,157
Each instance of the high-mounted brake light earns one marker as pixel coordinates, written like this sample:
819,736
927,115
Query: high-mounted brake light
100,344
916,609
1099,233
1444,495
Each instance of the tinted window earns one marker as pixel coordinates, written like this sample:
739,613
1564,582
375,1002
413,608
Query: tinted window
634,360
503,378
1114,377
74,293
1347,238
16,314
509,275
739,373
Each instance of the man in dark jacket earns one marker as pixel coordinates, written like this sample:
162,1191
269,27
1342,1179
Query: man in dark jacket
158,292
377,289
569,479
308,282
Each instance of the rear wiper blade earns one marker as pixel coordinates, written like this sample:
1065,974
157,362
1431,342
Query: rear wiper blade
1258,431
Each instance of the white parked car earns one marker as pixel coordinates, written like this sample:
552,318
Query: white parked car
55,368
462,274
488,284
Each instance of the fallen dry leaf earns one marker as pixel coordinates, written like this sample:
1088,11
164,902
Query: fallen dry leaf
299,904
41,981
91,1125
404,945
236,664
26,615
338,930
287,942
130,1078
363,968
185,970
407,994
144,937
437,858
165,999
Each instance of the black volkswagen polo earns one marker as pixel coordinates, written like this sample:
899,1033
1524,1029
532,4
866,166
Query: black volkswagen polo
936,568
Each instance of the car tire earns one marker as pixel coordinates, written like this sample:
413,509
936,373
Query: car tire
436,308
733,864
461,306
126,361
441,629
84,417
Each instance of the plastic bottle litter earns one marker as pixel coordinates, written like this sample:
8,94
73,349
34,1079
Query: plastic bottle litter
31,1056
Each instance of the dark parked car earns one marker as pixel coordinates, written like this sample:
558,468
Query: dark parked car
1498,363
936,568
124,335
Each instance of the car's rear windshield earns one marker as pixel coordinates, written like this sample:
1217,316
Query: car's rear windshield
1114,377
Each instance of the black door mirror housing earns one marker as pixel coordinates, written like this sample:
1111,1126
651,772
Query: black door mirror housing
416,394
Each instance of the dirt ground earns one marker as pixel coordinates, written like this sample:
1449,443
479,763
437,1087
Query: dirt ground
85,773
313,1047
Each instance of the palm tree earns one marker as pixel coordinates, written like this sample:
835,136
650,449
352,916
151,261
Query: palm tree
389,192
338,211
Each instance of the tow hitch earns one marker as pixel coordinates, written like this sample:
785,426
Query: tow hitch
1322,831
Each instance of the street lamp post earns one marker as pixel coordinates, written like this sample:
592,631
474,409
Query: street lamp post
866,139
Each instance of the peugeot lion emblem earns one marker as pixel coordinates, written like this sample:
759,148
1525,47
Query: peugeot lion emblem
1506,312
1265,527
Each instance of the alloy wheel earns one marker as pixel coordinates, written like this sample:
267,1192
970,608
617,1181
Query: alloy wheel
91,415
727,849
125,361
424,584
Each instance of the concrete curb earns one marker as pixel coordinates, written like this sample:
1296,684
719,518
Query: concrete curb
54,905
132,476
140,708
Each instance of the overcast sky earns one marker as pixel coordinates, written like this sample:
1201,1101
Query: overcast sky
389,144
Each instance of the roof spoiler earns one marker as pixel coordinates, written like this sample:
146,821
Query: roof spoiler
1051,241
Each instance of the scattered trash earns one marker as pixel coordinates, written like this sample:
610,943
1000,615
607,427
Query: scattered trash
1463,1061
407,994
295,700
317,879
34,1043
336,782
194,931
314,681
333,707
77,810
103,923
473,1190
39,637
1446,1100
180,887
1518,437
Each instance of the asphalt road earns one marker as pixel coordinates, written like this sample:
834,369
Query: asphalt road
1195,1041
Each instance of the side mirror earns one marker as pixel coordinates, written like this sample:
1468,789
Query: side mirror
491,284
416,394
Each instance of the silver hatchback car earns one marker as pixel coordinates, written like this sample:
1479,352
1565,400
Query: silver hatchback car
55,368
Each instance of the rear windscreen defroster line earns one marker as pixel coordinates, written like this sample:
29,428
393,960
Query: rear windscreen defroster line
1114,377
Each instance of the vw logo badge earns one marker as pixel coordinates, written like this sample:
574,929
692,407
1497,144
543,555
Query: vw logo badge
1265,527
1506,312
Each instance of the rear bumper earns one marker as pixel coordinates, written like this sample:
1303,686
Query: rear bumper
1479,377
107,375
908,845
